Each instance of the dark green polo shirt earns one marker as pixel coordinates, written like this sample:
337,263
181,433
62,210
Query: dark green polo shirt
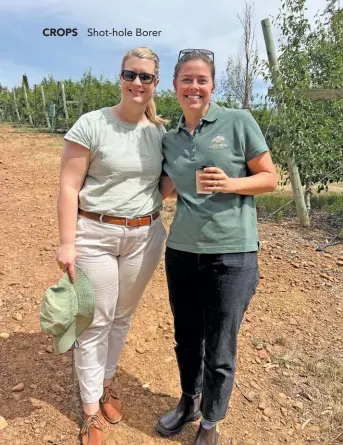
220,222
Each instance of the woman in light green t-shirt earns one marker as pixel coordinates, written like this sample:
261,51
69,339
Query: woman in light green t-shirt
110,226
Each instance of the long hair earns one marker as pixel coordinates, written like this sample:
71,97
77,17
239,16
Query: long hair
147,53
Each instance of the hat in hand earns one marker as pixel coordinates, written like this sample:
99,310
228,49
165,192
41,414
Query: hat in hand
67,310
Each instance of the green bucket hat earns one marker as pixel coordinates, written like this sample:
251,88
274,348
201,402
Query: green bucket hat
67,310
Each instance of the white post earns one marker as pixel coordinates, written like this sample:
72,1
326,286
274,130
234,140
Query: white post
292,167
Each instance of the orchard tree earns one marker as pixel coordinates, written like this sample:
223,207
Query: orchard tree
238,80
309,58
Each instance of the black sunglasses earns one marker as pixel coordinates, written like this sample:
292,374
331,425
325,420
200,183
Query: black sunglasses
130,76
207,52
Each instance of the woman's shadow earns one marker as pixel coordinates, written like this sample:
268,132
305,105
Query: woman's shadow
26,360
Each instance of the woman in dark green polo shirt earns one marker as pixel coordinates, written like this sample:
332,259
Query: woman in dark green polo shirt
211,255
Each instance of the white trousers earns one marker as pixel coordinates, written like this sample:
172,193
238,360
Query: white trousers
119,261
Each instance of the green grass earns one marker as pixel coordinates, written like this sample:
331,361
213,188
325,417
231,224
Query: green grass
329,203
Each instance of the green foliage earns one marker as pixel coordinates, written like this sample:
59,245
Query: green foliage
228,102
25,81
329,203
271,202
98,93
309,58
263,114
168,107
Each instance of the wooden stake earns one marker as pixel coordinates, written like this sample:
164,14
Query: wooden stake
83,97
58,87
8,106
292,167
64,101
16,104
44,109
27,104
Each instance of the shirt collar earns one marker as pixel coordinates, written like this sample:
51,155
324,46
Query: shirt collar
211,116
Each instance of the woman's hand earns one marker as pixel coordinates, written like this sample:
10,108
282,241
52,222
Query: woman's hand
263,178
216,180
66,256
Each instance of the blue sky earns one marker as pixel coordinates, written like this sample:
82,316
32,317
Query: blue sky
183,24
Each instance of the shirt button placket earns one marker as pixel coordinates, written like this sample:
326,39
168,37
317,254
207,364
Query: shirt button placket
193,151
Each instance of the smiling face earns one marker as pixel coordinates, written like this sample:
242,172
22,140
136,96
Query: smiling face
137,92
194,85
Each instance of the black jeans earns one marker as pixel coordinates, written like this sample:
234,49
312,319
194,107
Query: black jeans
209,294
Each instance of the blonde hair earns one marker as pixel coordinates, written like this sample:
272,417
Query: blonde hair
147,53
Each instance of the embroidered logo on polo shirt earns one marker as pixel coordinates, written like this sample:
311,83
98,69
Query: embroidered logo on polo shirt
218,142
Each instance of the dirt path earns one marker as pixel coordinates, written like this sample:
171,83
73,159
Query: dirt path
288,379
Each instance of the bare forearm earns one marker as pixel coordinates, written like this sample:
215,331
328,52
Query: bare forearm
167,188
255,185
67,214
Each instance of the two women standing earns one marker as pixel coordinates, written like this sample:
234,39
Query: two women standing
110,171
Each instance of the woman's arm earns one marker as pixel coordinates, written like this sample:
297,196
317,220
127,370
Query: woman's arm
74,166
264,178
167,188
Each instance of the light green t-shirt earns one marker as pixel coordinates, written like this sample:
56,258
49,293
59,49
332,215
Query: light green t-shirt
125,165
220,222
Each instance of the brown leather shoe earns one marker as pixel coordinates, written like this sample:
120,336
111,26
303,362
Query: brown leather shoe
207,437
110,405
92,432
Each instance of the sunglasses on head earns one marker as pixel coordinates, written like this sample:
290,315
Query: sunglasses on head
207,52
130,76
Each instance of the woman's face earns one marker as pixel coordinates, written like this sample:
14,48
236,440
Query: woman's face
136,91
194,85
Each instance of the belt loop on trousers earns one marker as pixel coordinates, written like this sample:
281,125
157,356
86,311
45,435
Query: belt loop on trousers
100,219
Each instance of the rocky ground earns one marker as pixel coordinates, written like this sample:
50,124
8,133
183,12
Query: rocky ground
289,374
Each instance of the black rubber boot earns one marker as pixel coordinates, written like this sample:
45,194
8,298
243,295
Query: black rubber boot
172,422
207,437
